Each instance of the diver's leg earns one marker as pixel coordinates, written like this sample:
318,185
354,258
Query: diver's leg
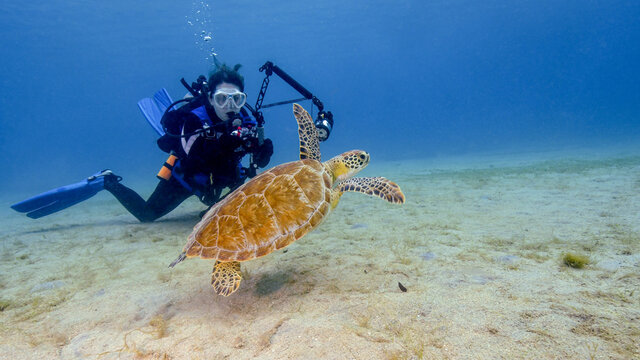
166,197
127,197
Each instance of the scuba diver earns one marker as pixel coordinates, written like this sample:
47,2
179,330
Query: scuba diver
206,139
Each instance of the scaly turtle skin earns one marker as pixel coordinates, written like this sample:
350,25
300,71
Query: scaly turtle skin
279,206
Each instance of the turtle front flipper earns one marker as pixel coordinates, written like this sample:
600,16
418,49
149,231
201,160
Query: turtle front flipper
374,186
226,277
309,143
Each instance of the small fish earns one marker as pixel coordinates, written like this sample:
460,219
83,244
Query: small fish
402,288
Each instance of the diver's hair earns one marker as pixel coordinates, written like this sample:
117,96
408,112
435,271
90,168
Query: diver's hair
226,74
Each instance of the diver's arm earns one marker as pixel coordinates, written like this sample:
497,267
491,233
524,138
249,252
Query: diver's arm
178,138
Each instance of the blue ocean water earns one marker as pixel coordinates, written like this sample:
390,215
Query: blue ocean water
404,79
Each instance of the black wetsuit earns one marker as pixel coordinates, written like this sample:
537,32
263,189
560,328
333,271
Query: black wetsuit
208,163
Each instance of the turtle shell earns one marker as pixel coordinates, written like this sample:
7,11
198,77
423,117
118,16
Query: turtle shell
269,212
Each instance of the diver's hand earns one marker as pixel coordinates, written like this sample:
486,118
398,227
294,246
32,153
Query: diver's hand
243,133
262,153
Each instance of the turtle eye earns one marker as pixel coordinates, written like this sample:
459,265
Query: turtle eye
362,157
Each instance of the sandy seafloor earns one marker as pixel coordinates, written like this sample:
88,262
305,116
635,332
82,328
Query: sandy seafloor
478,246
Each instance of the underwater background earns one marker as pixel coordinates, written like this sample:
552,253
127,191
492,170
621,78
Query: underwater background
512,128
404,79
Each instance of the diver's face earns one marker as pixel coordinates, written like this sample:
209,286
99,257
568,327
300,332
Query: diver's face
225,98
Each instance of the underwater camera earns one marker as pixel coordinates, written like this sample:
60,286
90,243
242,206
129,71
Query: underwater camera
324,124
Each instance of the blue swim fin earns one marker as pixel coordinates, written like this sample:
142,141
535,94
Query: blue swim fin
61,198
154,108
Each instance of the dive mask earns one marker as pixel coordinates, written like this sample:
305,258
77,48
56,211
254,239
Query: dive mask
226,98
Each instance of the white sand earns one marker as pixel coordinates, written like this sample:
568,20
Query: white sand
478,245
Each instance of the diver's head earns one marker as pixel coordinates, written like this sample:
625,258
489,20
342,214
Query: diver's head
226,94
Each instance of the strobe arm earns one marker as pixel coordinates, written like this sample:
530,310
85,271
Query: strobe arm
324,122
270,68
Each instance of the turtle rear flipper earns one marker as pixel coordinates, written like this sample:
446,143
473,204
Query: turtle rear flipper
374,186
226,277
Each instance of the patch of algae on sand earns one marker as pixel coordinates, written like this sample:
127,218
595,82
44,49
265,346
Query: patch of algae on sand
38,305
621,338
5,304
627,238
157,327
407,337
575,261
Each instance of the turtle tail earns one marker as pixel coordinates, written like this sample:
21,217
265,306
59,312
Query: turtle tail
182,256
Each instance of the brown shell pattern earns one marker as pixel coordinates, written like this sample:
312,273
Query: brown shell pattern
267,213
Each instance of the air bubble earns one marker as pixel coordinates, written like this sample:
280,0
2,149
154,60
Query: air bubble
201,19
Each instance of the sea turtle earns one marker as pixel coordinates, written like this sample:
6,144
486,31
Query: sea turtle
279,206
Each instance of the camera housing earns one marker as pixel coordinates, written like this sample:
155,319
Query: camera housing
324,124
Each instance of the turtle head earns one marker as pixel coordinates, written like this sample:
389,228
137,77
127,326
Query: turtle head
347,164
